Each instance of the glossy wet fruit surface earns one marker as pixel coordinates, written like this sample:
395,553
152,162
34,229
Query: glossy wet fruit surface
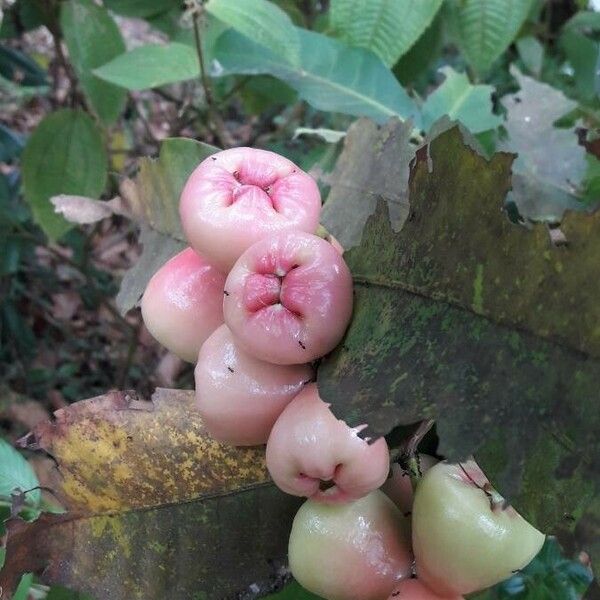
288,299
239,196
464,537
355,551
183,303
309,445
239,396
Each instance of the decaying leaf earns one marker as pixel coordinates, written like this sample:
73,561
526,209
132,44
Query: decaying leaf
158,248
548,175
373,164
152,199
156,508
83,210
483,325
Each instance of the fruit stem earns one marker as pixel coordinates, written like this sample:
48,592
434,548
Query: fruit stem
413,467
496,500
409,458
322,232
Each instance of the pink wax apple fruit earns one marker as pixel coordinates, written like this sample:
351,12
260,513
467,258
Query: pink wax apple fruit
308,445
236,197
183,303
354,551
465,537
398,488
413,589
239,396
288,299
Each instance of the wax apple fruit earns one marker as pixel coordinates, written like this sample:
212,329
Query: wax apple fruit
354,551
236,197
309,445
464,537
288,299
183,303
413,589
398,488
239,396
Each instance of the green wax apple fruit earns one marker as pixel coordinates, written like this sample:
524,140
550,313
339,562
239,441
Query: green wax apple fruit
354,551
465,537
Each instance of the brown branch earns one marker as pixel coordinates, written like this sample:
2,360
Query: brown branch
220,130
55,31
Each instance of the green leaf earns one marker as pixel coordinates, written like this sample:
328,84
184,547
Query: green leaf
332,76
133,471
356,184
93,38
65,154
141,8
445,327
531,52
549,173
548,575
153,200
11,144
151,66
157,249
23,16
17,475
262,21
413,67
485,28
584,21
154,195
263,91
583,54
18,68
22,591
389,29
461,101
294,11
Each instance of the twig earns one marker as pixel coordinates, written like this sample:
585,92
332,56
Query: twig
410,448
295,114
54,28
126,366
220,130
236,88
183,105
89,280
140,113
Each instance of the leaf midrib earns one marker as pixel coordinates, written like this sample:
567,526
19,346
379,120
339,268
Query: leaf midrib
368,281
77,513
301,73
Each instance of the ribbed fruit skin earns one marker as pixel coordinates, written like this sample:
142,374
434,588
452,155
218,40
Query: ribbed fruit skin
237,197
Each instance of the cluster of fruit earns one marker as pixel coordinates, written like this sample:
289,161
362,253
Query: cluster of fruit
255,300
